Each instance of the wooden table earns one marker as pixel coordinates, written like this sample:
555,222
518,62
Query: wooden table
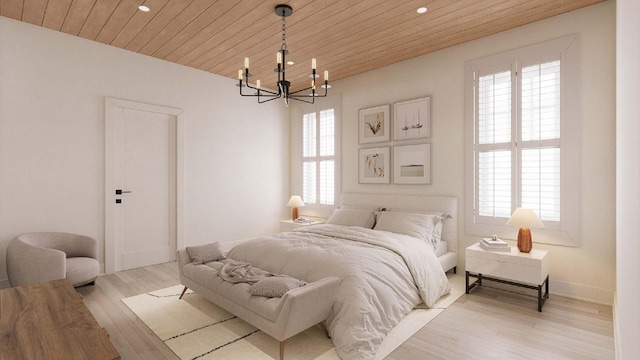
49,320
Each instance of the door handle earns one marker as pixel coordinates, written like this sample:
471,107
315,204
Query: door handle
120,192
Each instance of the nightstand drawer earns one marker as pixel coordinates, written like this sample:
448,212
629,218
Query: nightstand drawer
530,268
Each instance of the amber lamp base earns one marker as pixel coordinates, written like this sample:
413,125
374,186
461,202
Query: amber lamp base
524,240
294,213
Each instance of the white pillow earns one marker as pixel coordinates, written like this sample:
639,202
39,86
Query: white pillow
437,233
421,226
444,216
205,253
362,207
352,217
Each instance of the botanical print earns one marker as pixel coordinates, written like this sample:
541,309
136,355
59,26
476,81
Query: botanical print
412,119
374,124
375,166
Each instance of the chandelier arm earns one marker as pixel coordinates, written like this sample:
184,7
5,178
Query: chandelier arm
302,99
261,89
295,93
275,96
325,93
268,92
271,99
299,91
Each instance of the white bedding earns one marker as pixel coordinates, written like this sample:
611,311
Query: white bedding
383,277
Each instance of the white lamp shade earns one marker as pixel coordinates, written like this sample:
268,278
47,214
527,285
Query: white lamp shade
295,200
525,218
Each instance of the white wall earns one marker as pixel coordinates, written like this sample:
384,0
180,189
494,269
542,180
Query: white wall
627,307
584,272
52,89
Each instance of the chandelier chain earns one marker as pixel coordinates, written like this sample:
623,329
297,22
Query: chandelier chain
284,32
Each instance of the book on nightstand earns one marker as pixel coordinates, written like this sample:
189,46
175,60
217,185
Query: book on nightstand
303,221
494,245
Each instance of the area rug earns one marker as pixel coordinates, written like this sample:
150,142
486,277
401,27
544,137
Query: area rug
194,328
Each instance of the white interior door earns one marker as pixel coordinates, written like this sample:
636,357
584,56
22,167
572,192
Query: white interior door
141,193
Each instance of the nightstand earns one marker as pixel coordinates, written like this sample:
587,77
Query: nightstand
289,225
528,270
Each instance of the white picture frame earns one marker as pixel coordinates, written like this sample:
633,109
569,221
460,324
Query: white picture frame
412,164
374,165
374,124
412,119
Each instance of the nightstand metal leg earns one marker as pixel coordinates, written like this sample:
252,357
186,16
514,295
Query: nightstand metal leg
466,282
542,298
546,286
478,281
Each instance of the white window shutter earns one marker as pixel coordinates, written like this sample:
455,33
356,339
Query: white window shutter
319,157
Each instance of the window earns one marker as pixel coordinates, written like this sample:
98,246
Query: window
523,141
319,156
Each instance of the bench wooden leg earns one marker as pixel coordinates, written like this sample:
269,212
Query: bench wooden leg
281,350
183,291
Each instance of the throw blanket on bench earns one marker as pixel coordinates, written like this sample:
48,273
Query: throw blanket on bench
240,271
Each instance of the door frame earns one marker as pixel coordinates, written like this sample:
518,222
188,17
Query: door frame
113,260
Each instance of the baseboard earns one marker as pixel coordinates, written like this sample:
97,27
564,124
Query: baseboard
616,326
581,292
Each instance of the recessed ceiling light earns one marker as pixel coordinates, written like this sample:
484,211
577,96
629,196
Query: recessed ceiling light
143,8
290,62
422,10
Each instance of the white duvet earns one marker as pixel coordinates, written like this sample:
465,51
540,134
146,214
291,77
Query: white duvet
384,276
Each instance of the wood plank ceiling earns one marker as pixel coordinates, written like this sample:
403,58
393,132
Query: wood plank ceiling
346,37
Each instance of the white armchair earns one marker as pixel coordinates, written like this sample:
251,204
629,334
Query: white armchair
43,256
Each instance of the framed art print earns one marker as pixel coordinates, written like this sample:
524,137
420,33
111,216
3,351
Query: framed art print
374,166
412,164
412,119
374,125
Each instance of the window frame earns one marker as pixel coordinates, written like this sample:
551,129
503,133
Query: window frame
297,158
566,232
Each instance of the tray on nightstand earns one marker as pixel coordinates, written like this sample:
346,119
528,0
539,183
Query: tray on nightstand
290,225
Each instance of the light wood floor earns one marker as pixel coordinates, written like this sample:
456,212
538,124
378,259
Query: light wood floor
489,323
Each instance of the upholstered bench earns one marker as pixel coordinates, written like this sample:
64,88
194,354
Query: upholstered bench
280,317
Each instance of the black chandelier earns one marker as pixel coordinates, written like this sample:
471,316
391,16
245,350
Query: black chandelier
283,85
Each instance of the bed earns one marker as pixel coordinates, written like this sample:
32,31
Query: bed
384,274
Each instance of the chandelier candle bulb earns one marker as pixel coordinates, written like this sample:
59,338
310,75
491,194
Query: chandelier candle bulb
258,84
279,58
313,63
240,74
326,75
246,63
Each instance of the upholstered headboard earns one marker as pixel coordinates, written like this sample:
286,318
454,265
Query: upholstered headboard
444,204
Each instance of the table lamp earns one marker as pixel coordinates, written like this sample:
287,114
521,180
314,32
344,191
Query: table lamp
525,219
294,202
